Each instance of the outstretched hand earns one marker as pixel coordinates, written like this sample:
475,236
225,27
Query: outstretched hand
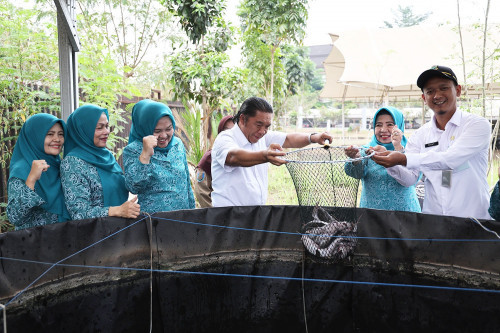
389,158
273,154
321,138
376,149
352,152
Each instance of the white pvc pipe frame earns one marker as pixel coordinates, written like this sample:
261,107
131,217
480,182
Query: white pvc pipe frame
4,317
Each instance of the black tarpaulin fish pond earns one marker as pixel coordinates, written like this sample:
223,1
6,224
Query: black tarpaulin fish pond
244,269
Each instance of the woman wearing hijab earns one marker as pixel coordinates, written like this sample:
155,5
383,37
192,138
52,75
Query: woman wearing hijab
155,162
92,180
379,189
203,186
34,189
494,208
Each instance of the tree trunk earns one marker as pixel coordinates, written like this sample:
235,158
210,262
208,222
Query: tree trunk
466,89
483,65
205,136
271,93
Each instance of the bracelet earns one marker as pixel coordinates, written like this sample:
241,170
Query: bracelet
310,136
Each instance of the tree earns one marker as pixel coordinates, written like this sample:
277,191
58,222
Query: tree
300,70
258,62
404,17
28,80
101,83
202,79
484,57
28,58
200,75
129,29
196,16
303,81
267,25
101,78
485,66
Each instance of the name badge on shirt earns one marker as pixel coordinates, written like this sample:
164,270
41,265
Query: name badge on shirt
446,178
431,144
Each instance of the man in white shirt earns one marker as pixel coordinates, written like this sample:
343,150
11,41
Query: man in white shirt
240,155
451,151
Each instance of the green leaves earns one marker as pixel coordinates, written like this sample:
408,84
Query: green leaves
300,70
27,47
202,79
191,122
28,60
128,30
276,21
267,25
196,16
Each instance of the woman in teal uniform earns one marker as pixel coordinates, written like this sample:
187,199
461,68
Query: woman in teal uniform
379,189
494,209
92,180
34,188
155,162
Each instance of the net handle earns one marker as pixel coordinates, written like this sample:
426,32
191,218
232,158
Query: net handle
328,147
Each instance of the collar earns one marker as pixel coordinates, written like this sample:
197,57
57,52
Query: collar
240,138
456,120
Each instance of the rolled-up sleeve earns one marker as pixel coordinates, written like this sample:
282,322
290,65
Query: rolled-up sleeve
275,137
222,145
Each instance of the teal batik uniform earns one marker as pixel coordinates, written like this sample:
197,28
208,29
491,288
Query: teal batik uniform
92,180
164,183
379,189
494,209
45,205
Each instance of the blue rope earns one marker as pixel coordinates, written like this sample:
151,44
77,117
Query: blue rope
264,277
324,235
235,228
72,255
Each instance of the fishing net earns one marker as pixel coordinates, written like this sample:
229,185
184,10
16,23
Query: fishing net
326,181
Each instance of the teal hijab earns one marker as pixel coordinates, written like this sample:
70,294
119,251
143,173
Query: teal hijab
80,143
30,147
145,116
399,120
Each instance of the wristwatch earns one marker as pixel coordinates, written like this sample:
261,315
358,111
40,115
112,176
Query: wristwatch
310,136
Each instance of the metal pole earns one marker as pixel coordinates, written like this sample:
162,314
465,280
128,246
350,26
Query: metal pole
343,113
68,46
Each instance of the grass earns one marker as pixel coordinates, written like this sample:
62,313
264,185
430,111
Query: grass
282,190
493,171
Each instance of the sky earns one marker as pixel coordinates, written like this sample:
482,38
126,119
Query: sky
335,16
